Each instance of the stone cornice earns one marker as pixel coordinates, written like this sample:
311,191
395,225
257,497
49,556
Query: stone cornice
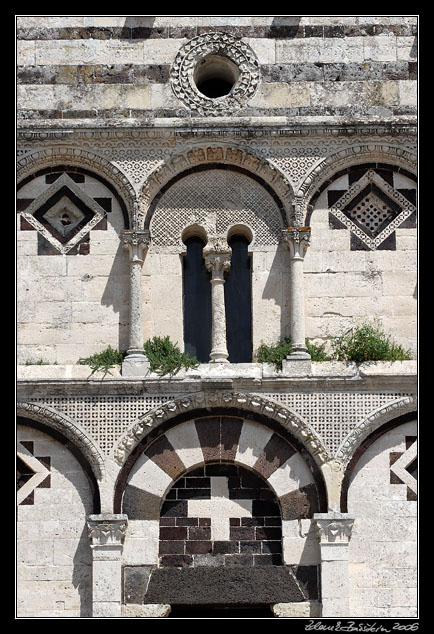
50,131
369,377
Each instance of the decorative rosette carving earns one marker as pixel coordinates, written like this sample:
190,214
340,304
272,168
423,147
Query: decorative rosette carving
181,73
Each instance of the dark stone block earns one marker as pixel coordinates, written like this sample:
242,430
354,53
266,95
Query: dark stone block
268,532
226,548
172,548
308,577
173,532
234,585
239,560
200,532
265,509
245,533
198,547
250,548
174,561
187,521
136,579
267,560
191,494
177,508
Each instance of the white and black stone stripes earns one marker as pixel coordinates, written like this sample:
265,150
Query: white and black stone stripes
220,439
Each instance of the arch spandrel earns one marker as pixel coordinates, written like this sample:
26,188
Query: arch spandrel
61,423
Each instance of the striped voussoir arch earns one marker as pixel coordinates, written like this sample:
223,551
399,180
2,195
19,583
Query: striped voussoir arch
220,439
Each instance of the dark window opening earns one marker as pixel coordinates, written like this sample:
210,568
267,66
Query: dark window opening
213,88
197,301
238,300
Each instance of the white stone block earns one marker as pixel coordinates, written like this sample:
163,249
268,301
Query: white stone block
185,441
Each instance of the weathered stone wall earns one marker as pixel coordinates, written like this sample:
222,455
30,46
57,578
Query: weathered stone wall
115,67
383,547
54,575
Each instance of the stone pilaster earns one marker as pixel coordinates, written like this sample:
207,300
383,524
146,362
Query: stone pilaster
218,261
334,533
297,240
107,533
136,243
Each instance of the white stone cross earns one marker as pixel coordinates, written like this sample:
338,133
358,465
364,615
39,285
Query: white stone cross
219,508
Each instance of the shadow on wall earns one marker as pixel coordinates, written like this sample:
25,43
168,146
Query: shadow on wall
117,295
277,290
137,27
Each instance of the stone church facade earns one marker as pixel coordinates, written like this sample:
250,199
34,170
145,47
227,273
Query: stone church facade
175,173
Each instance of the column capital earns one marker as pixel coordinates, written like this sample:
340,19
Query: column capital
297,239
217,254
334,527
107,530
136,243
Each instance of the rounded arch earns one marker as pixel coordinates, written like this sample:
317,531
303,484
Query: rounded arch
327,167
76,439
247,405
32,163
382,428
217,156
221,436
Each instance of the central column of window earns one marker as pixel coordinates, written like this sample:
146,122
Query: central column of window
218,261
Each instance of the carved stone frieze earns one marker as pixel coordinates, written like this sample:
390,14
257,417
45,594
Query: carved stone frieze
250,402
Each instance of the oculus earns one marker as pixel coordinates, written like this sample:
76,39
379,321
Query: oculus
215,74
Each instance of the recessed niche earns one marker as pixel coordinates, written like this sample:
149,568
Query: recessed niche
215,76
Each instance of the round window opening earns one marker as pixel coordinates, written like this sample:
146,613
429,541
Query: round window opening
215,76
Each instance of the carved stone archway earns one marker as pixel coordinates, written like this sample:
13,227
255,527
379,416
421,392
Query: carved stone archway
220,155
288,420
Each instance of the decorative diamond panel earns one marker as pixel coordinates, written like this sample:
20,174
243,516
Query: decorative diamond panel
372,209
63,213
371,212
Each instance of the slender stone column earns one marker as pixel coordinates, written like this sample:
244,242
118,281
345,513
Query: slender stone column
297,240
107,533
334,532
136,243
218,261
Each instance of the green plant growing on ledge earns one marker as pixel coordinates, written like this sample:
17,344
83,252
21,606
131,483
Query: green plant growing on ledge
367,341
104,360
166,358
317,351
39,362
274,353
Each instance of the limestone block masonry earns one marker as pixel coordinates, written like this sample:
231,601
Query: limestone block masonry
240,486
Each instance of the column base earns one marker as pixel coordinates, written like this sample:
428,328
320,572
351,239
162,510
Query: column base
135,364
146,611
297,366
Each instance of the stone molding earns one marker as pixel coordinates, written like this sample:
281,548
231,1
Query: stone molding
67,427
225,45
60,155
226,155
353,155
248,402
378,418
